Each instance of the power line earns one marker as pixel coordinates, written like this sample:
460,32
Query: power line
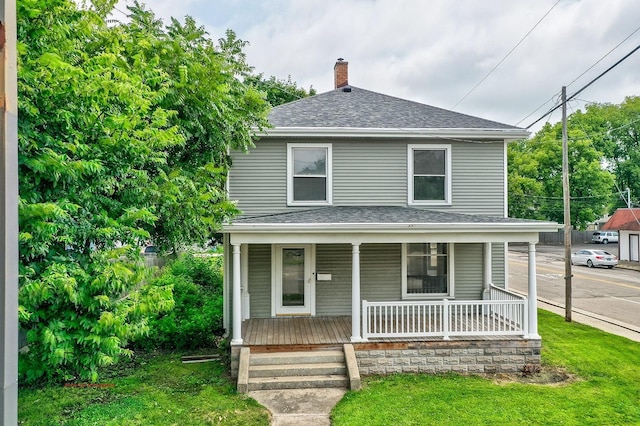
505,56
606,54
543,104
586,85
578,77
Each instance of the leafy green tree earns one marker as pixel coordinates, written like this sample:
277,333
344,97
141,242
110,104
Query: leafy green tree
535,178
117,145
214,111
615,130
278,91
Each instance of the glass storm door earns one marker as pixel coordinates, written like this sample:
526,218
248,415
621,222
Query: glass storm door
293,280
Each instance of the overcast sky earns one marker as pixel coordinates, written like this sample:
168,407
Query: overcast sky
436,51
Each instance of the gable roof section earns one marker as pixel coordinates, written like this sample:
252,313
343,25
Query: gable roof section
362,109
623,219
387,217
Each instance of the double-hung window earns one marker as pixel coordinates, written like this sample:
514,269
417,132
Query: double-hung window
426,270
308,174
429,169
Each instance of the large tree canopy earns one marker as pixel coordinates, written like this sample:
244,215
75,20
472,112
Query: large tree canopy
123,137
615,131
535,177
279,91
604,160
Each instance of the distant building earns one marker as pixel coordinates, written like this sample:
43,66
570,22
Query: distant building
627,223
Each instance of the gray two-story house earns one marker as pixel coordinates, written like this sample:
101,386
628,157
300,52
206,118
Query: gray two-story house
380,224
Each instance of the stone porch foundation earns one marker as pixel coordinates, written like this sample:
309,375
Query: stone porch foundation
433,357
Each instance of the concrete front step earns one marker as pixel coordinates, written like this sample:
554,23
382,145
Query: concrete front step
298,382
310,357
313,369
326,368
297,370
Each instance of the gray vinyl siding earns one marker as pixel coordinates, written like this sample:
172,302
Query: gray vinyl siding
468,271
369,172
259,278
498,268
478,178
334,297
380,275
381,272
258,179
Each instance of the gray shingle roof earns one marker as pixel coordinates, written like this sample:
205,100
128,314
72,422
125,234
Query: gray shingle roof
375,215
360,108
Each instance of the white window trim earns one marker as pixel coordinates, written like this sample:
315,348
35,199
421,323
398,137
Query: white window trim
329,191
447,190
426,296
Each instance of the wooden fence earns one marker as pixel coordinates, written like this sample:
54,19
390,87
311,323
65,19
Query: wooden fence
577,237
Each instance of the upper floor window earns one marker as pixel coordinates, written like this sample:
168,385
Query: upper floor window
429,174
308,174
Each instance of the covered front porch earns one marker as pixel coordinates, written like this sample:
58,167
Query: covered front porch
461,250
505,317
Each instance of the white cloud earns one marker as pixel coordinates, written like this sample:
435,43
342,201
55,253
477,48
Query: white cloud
435,52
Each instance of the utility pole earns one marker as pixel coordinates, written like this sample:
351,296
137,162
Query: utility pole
8,215
567,209
628,197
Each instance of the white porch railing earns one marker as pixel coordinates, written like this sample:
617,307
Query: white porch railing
445,318
497,293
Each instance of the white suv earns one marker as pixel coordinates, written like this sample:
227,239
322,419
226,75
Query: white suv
605,237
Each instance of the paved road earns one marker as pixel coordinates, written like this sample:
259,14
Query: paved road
598,292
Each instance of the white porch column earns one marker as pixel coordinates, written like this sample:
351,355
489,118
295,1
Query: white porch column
226,317
356,335
237,298
244,281
533,294
488,271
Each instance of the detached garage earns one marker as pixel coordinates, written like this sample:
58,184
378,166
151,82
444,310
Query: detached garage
627,223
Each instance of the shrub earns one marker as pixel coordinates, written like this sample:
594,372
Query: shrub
196,320
203,271
80,318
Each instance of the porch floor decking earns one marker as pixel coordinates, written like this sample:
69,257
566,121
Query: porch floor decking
322,331
297,331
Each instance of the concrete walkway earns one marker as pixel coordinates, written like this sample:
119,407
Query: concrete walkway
293,407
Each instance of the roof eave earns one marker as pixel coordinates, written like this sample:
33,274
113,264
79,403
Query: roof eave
391,227
461,133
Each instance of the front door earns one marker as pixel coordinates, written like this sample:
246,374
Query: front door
634,248
294,281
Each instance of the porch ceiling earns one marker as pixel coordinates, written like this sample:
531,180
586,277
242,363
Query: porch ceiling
378,224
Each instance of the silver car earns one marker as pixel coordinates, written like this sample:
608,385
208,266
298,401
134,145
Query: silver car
604,237
593,258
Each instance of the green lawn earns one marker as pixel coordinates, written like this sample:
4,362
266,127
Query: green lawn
163,391
160,391
606,389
